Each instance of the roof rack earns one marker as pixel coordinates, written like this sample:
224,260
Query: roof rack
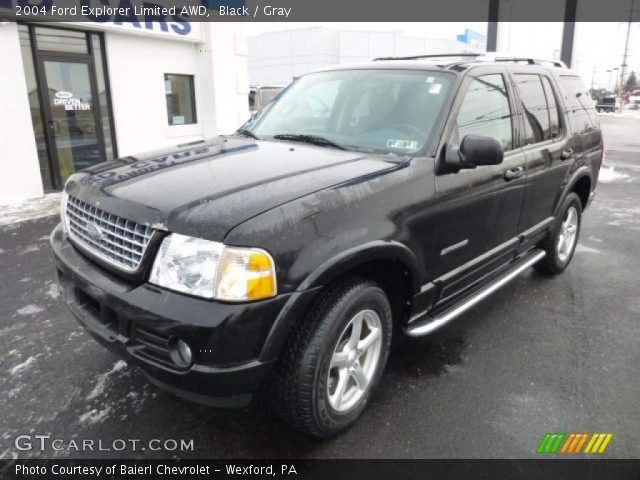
481,57
419,57
495,57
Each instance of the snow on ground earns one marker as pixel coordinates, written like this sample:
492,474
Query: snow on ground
29,310
22,366
30,209
102,379
609,175
94,416
53,291
626,113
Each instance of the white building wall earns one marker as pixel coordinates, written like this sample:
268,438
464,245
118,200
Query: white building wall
137,65
222,60
276,58
220,81
20,178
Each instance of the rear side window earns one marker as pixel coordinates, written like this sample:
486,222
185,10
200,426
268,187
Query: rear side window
580,106
554,109
534,105
577,96
485,111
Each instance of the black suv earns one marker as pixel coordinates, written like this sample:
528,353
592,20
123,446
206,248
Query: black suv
370,199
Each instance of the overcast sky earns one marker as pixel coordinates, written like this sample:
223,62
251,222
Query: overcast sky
598,46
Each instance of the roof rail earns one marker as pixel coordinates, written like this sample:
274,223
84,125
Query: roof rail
494,57
481,57
419,57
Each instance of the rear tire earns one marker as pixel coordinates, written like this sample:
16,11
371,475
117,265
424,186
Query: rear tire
324,378
562,240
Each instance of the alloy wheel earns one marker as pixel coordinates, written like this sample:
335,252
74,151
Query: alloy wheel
568,234
354,360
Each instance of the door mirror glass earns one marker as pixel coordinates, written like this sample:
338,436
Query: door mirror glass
474,151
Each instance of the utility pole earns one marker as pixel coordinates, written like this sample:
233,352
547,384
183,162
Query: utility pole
623,67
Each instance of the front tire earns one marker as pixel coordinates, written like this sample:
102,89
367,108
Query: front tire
561,242
333,361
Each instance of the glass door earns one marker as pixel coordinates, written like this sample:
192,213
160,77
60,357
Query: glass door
73,126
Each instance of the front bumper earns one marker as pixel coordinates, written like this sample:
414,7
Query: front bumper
137,321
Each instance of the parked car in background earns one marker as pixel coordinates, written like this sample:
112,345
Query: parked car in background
368,201
259,96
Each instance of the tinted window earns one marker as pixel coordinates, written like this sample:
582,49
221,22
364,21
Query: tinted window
554,110
181,105
534,105
580,106
576,93
485,111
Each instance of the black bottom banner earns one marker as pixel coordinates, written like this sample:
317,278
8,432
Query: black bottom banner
322,469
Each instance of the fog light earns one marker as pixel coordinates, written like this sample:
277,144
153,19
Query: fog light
180,352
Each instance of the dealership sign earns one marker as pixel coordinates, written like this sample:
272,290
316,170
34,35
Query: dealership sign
69,102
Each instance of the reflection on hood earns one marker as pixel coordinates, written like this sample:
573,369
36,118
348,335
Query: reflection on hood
131,167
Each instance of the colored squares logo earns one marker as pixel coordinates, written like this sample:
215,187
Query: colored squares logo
573,443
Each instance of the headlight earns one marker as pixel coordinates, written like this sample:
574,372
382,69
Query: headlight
63,211
212,270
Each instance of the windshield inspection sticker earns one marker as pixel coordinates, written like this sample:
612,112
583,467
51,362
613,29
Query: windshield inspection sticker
435,88
405,144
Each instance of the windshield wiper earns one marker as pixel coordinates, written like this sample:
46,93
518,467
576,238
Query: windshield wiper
247,133
312,139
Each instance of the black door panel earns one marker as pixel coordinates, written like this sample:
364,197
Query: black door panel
546,173
549,149
479,209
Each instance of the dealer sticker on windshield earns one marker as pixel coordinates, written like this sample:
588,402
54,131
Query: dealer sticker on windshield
435,88
404,144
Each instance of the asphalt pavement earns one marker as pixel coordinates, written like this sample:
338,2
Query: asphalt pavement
541,355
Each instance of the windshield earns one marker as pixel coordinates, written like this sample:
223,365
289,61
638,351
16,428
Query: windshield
389,111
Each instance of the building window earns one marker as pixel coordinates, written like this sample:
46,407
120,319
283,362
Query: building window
59,40
181,105
35,107
103,97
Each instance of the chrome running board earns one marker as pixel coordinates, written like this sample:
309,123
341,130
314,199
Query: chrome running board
423,324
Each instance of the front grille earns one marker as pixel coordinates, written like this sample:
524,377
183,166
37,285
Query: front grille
113,239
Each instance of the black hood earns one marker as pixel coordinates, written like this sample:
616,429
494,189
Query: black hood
204,189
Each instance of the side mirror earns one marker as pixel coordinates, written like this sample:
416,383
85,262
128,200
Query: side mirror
475,150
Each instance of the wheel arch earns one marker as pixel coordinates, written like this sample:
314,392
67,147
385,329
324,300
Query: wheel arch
391,264
581,183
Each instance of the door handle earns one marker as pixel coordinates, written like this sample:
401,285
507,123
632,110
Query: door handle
566,154
513,173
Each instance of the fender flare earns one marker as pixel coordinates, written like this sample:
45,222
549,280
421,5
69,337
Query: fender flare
581,172
300,300
354,257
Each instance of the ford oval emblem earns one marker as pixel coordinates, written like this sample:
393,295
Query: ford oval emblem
63,94
94,231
